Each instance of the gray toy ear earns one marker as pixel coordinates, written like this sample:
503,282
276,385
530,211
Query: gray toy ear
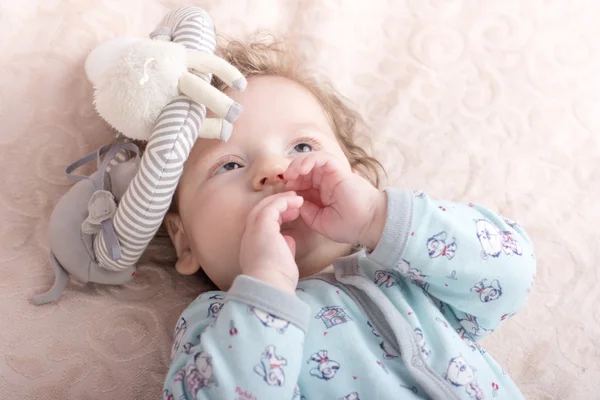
101,207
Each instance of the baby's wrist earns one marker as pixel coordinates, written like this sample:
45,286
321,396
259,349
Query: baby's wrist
278,280
374,230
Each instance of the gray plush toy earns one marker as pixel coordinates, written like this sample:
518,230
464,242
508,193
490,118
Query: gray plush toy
87,208
148,89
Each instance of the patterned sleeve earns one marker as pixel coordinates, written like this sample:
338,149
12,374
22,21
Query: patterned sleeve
247,342
479,264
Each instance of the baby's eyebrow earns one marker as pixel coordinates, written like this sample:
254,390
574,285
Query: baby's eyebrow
216,151
305,126
211,154
202,162
208,154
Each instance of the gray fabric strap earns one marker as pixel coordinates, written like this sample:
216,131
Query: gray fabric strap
82,161
96,155
108,230
112,153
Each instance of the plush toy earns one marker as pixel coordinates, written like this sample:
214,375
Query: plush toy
148,89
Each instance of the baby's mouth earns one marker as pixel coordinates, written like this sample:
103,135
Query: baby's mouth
310,195
286,226
295,228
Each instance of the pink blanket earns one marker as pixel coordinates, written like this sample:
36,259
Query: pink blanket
493,102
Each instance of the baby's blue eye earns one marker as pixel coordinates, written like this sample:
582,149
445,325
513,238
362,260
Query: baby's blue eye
303,148
228,167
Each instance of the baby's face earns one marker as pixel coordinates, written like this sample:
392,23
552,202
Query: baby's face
222,182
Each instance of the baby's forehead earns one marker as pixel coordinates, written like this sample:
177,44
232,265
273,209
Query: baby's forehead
272,105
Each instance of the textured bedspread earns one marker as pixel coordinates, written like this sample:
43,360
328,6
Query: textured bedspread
491,101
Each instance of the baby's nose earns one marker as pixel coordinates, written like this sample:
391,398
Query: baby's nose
261,180
269,172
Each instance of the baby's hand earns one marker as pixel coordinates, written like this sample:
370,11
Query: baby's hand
352,211
266,254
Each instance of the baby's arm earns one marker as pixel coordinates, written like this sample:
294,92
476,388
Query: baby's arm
481,265
248,341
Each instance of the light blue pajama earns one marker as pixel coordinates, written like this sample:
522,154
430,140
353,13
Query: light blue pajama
401,322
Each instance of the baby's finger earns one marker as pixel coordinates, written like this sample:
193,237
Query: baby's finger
271,215
290,214
305,164
291,173
303,182
253,215
291,244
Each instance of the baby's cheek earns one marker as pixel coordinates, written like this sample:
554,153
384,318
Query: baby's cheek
221,223
217,244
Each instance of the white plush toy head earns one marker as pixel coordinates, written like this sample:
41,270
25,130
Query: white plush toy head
135,79
139,79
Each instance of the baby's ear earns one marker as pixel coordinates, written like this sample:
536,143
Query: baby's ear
186,262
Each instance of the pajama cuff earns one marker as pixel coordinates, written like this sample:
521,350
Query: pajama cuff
270,299
398,221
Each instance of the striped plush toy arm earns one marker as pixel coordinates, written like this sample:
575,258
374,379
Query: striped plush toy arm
187,35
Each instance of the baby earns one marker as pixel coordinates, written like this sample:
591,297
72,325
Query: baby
329,287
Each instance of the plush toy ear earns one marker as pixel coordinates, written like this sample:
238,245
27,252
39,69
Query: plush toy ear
186,261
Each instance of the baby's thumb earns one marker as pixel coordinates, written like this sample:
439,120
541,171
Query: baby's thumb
291,244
